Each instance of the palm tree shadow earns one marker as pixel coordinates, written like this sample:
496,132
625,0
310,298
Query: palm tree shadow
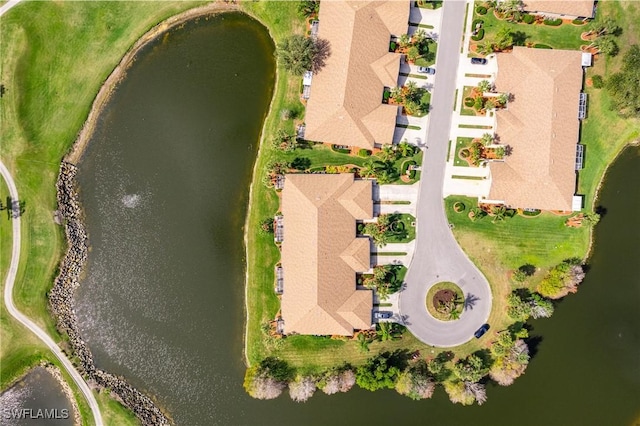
322,52
470,300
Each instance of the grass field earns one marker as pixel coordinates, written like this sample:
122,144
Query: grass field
604,133
461,143
49,94
565,36
498,248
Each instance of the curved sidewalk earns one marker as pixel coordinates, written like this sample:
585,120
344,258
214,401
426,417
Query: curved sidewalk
438,257
21,318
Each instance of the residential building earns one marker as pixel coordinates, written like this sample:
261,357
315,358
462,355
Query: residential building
567,9
321,254
540,128
345,100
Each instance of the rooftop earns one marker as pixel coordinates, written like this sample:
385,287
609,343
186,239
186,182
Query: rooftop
540,125
345,104
583,8
321,254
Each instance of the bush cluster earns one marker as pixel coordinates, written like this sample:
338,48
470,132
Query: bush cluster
481,10
479,35
553,22
597,81
528,19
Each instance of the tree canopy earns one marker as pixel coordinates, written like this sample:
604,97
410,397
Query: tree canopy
378,373
624,86
296,53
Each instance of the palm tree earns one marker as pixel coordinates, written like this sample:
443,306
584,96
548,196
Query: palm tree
404,40
405,149
387,153
368,169
485,47
413,53
503,98
487,138
490,104
504,38
396,94
363,343
418,37
499,213
484,86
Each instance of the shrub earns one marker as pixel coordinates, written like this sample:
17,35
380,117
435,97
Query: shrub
302,388
477,22
335,148
479,35
553,22
364,152
528,19
464,153
481,10
405,166
578,22
597,81
542,46
337,380
468,102
478,104
562,279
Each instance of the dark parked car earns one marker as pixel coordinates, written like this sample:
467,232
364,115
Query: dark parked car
382,315
426,70
479,61
480,332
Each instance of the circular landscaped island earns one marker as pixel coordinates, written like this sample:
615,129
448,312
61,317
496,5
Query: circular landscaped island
445,301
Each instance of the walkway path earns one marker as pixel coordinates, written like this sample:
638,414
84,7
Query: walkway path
8,5
438,257
14,312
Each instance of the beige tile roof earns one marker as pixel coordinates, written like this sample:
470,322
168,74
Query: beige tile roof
345,105
541,125
321,254
583,8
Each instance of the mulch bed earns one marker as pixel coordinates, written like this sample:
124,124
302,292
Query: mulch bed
443,297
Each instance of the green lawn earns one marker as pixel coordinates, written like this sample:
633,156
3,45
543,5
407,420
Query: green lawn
461,143
565,36
431,56
497,248
466,93
543,241
406,220
49,93
604,133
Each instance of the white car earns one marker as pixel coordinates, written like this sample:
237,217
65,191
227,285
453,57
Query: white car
426,70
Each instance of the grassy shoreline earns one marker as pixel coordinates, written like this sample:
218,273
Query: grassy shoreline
42,113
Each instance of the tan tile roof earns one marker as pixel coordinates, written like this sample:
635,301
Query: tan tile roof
583,8
541,125
321,254
345,105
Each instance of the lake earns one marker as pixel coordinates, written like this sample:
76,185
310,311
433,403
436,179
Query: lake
164,184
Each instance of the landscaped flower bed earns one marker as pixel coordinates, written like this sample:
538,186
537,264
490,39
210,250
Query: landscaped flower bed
445,301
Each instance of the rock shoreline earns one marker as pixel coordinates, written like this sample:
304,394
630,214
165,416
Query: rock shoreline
61,303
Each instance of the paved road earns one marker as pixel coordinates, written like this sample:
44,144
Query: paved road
438,256
14,312
8,5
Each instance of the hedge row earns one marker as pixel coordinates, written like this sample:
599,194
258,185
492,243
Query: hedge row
479,35
553,22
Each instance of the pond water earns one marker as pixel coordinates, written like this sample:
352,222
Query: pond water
36,400
164,185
